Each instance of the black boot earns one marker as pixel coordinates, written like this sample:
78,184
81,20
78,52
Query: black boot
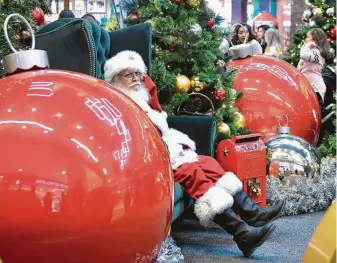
252,213
247,238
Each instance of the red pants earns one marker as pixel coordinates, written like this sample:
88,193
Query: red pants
198,177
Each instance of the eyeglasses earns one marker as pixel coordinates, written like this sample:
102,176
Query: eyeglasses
131,75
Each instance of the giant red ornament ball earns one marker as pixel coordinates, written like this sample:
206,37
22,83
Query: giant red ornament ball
84,175
272,87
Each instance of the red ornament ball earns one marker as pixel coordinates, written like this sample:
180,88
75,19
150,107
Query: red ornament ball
38,16
211,22
272,87
133,16
172,47
333,32
220,94
84,174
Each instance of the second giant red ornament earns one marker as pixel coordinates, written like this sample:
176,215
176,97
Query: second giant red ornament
272,87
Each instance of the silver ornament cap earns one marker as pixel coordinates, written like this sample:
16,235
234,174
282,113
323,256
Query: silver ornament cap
20,61
25,60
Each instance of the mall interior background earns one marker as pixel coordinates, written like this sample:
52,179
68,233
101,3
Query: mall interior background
287,12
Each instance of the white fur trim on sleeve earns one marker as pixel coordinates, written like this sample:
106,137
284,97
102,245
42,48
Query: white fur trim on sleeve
186,156
160,120
182,138
214,202
230,182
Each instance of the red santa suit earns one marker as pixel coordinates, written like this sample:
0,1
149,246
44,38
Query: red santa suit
203,178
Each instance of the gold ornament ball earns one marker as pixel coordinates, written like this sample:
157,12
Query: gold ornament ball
223,128
220,64
183,84
317,11
241,121
196,83
152,23
193,3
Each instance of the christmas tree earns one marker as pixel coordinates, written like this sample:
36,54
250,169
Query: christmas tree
319,13
17,28
329,142
188,63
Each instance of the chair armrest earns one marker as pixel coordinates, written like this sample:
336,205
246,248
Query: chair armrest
137,38
201,129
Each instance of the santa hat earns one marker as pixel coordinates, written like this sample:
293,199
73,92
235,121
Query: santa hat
122,61
133,61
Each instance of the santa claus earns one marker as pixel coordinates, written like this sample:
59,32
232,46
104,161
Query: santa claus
218,194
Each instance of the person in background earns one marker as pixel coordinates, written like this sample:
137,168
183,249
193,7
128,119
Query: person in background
313,54
261,36
218,194
239,37
66,14
274,47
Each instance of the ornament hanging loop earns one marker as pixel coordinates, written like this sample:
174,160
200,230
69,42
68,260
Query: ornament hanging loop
285,129
279,119
29,27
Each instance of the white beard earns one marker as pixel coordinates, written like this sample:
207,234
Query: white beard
138,94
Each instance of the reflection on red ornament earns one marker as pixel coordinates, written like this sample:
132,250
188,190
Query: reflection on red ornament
211,22
133,16
82,167
176,1
272,87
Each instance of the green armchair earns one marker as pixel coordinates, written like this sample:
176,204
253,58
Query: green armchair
82,46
